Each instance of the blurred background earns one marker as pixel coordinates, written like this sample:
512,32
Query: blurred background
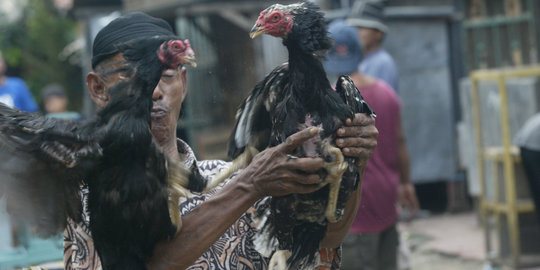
468,80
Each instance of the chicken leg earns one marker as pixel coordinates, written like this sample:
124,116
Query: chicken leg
335,170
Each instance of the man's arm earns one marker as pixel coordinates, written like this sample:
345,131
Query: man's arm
357,139
271,173
406,191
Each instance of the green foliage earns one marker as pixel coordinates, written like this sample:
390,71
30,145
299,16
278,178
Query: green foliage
32,45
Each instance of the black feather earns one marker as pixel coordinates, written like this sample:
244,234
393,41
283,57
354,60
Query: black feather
293,96
114,154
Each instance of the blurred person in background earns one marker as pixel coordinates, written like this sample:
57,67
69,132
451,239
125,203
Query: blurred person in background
373,239
377,62
54,102
14,92
528,141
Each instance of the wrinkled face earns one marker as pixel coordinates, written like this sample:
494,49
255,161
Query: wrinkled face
167,102
275,20
167,96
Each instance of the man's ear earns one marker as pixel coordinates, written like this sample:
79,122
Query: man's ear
96,89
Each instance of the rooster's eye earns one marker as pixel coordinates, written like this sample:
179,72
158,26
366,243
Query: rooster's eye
275,18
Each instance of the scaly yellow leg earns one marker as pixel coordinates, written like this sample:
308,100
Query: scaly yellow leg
335,171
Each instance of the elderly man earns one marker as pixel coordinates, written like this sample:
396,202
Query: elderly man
217,228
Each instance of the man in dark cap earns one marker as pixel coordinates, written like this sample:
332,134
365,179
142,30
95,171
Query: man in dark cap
217,228
368,18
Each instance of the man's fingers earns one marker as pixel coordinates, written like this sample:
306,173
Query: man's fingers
358,131
360,119
360,153
298,139
356,142
305,164
306,179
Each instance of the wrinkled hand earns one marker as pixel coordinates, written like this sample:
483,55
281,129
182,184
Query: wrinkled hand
407,198
358,137
274,173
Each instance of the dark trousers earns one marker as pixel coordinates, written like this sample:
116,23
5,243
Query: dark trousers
531,164
371,251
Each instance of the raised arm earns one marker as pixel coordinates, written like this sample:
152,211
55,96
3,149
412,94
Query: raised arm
271,173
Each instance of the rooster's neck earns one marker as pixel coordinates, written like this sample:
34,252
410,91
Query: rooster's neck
307,73
307,77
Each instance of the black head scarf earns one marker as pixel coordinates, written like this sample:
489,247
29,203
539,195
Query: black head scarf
125,28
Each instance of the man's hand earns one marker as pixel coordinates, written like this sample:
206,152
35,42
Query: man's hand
274,173
407,198
358,137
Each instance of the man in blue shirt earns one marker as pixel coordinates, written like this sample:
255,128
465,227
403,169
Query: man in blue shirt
14,92
377,61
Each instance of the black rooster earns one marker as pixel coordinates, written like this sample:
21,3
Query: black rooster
294,96
130,180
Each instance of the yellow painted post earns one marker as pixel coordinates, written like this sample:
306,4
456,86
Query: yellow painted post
498,214
506,154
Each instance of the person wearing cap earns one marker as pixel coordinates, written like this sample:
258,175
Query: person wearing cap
14,92
373,238
217,227
55,101
377,62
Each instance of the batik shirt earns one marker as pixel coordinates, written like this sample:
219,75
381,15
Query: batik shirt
233,250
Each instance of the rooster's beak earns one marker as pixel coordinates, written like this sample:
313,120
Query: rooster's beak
256,31
190,61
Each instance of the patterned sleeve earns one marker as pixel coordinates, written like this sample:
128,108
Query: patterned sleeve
79,251
234,249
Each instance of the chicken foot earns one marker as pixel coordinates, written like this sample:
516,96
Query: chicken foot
335,170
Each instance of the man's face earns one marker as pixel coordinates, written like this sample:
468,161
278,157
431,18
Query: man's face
167,96
55,104
369,37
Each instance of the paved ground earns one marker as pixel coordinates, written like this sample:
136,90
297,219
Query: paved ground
447,242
